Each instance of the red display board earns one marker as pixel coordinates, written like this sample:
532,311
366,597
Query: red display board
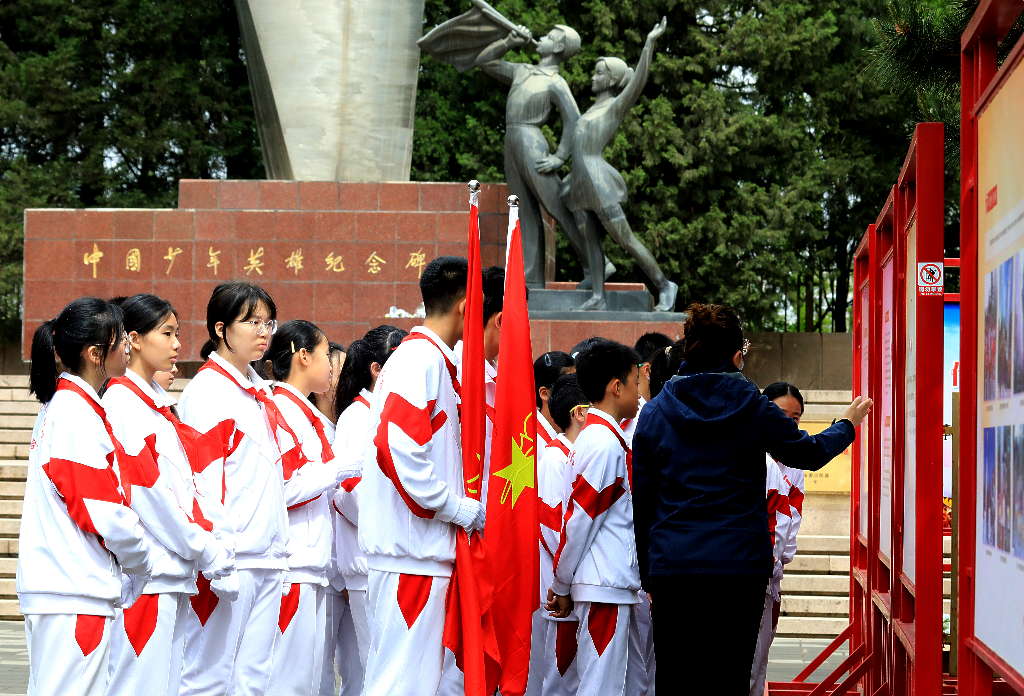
895,632
990,501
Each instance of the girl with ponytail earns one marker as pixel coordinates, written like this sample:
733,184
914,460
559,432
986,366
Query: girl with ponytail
165,499
229,644
348,627
77,533
299,358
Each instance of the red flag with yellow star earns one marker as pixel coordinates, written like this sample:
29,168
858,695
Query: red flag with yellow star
510,534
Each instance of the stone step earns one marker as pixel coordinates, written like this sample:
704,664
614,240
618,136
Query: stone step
13,471
12,489
9,547
17,437
10,508
16,394
9,527
14,450
819,563
7,590
811,625
9,610
17,422
823,544
20,408
808,605
8,566
801,584
19,381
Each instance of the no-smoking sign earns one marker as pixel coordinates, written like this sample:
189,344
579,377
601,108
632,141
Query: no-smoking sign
929,278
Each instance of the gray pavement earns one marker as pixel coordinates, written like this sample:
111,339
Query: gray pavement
787,658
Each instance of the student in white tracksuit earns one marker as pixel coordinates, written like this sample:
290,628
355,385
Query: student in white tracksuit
299,357
148,640
77,534
595,566
229,645
554,640
348,622
417,493
785,499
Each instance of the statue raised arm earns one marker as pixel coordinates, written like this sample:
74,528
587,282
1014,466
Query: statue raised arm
595,191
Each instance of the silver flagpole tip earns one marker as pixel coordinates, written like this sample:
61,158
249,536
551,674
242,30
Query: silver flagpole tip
474,186
513,201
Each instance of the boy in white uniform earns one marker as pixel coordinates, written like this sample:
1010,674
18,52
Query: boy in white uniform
546,369
554,640
417,492
596,566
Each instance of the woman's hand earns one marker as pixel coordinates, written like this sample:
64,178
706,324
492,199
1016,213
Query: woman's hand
658,29
856,411
560,606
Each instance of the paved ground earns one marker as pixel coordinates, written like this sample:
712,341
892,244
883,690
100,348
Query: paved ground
788,657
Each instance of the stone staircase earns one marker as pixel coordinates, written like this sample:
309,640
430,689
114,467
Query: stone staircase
816,586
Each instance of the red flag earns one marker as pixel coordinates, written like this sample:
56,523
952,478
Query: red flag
463,631
511,532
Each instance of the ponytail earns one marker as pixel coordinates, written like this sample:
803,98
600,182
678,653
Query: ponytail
88,321
42,379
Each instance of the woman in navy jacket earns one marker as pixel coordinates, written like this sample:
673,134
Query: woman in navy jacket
700,515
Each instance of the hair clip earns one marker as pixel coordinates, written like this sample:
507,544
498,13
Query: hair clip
668,350
293,346
746,346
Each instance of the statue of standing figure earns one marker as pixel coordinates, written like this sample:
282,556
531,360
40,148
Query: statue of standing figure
591,197
594,190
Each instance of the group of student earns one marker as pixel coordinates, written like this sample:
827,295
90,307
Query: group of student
294,515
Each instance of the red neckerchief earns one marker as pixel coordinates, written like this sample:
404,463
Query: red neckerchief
558,444
326,453
64,384
594,419
453,372
274,417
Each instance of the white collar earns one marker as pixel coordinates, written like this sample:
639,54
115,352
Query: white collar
366,394
608,419
564,440
448,353
250,379
151,389
543,422
81,383
296,392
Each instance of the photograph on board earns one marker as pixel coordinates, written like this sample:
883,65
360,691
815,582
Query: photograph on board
988,492
1004,462
1004,341
991,329
1018,323
1018,491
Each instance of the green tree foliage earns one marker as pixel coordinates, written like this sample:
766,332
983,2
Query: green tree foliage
761,149
109,103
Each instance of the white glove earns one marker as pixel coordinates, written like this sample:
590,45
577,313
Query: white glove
775,583
469,514
222,563
226,587
131,589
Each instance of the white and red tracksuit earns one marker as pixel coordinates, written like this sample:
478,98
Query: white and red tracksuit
349,622
785,498
77,536
148,639
311,475
545,431
415,486
643,611
554,640
596,561
229,646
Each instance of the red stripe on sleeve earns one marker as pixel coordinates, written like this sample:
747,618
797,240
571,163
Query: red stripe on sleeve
417,424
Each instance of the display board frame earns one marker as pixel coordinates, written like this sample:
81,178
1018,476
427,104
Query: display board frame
981,81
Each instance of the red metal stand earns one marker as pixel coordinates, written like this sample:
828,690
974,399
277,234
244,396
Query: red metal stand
980,82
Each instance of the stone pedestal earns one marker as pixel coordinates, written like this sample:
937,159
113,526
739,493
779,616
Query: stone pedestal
346,256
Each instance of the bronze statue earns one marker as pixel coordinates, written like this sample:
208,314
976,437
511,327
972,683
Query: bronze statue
594,190
479,38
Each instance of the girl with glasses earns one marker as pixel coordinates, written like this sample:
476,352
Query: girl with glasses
77,533
229,645
148,639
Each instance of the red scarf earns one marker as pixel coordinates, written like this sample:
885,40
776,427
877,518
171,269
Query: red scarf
326,453
594,419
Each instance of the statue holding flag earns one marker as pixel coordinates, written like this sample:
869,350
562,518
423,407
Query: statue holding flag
479,38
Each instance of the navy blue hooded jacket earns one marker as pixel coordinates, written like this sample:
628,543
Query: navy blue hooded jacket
699,474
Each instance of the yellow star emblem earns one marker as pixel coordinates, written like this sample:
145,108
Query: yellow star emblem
520,473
